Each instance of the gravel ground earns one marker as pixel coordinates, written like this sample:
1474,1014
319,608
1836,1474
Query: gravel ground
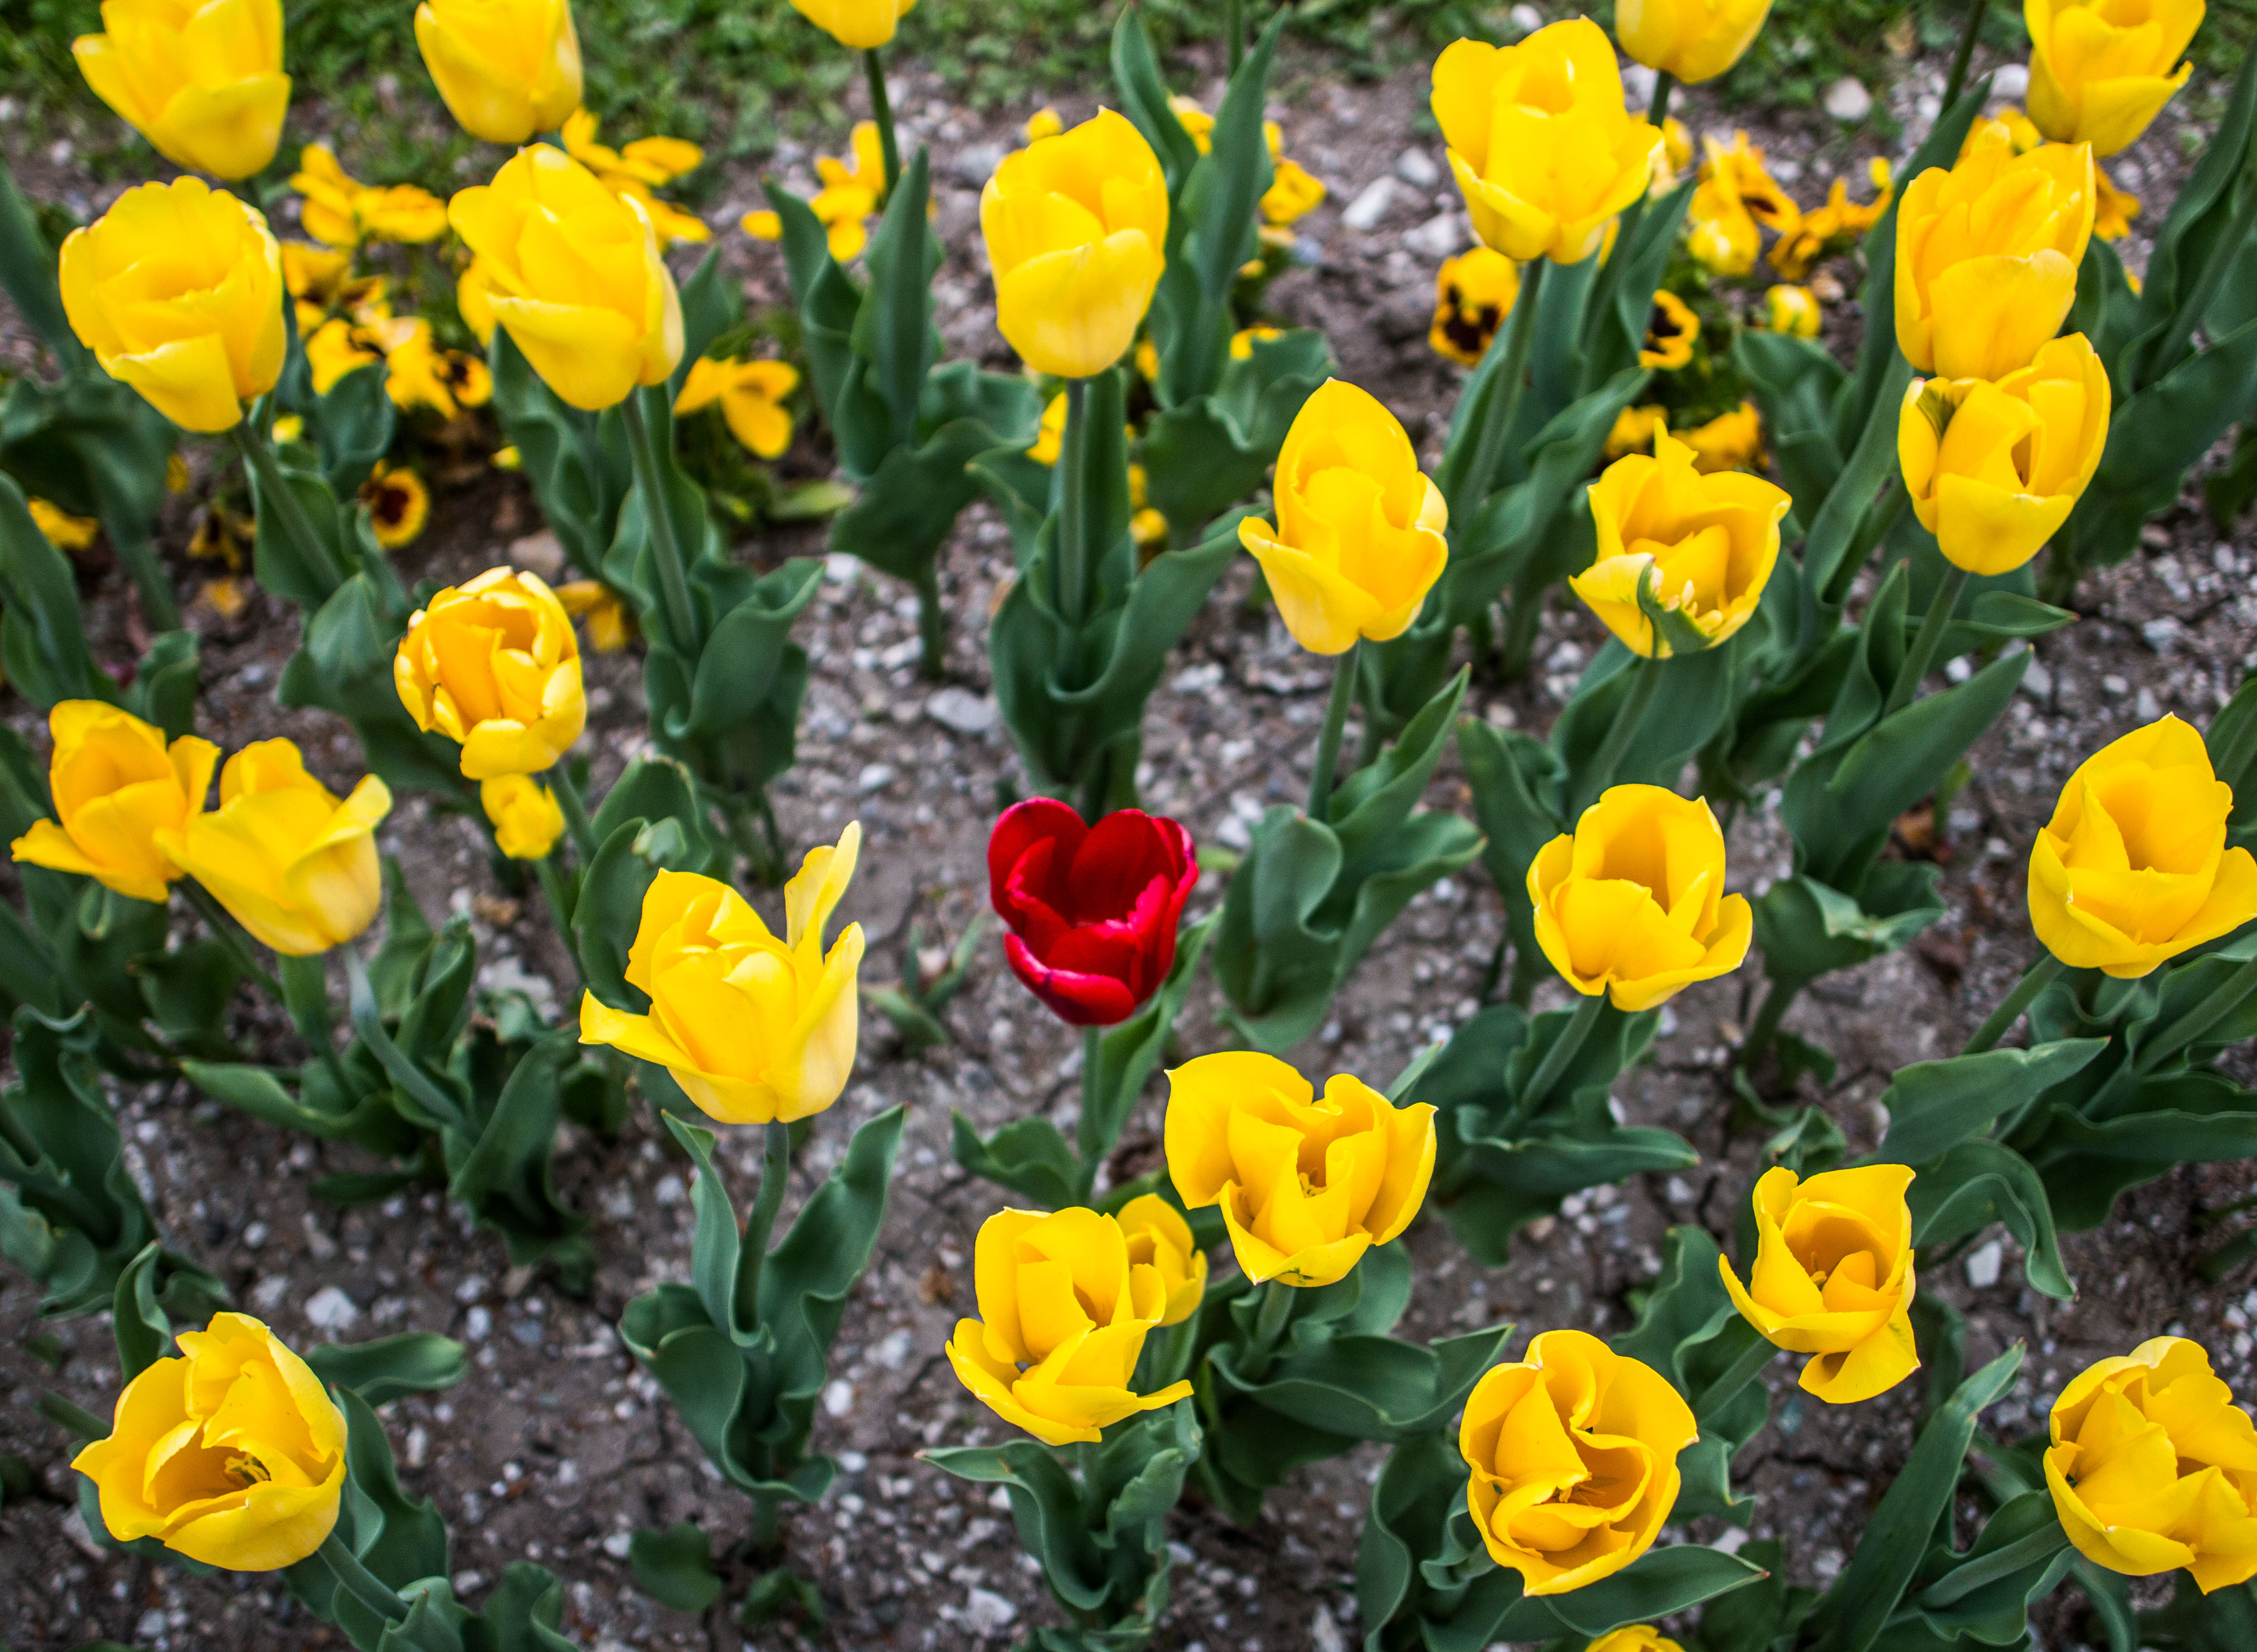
555,1447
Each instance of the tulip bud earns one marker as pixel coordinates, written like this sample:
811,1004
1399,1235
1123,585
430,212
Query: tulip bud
291,863
1694,40
177,290
494,666
203,82
1077,230
2132,869
859,23
1993,470
1359,540
1632,902
754,1029
116,784
525,815
573,275
507,69
233,1455
2100,73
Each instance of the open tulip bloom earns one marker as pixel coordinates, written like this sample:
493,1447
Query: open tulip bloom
203,82
116,784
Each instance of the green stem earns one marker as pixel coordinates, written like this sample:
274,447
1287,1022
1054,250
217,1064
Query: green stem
1270,1323
1610,285
1094,1144
2222,1002
223,931
1880,522
1523,621
1562,1052
1965,55
1496,429
881,110
2035,980
2004,1562
575,808
359,1582
1926,640
306,996
932,622
1233,31
1593,783
2223,252
666,551
398,1066
274,494
159,606
775,1172
560,907
768,1524
1328,738
1777,998
1743,1371
1071,577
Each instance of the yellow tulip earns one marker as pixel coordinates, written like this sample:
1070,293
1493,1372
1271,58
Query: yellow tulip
1632,903
2152,1467
1077,229
1993,470
1060,1295
203,82
859,23
2132,869
1359,540
1573,1454
1698,549
751,396
1792,310
1542,146
507,68
2101,70
1987,255
754,1029
574,277
1696,40
399,504
493,666
474,301
1833,1277
1306,1184
177,290
232,1454
293,864
116,784
1634,1637
1160,1240
525,816
1473,293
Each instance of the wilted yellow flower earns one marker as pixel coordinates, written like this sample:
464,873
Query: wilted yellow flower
1043,123
1792,310
1696,549
507,69
1671,332
1832,226
1293,193
1076,228
1736,196
859,24
60,528
1242,340
203,82
526,819
1539,141
177,290
1359,540
1993,470
1721,236
1635,430
290,861
1632,903
225,598
1696,40
1198,125
1634,1637
1987,255
344,212
637,170
321,282
2132,869
221,536
1160,1240
1307,1184
1573,1453
754,1029
852,189
419,374
2152,1467
1473,293
116,784
1729,442
176,473
494,666
1062,1295
399,504
1833,1277
233,1455
2113,208
1148,529
1676,146
337,347
751,395
2101,70
608,623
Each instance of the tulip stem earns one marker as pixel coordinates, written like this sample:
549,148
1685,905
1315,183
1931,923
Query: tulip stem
1328,738
1270,1323
1096,1140
1563,1050
1069,576
1495,429
398,1065
2189,315
560,907
1603,301
1743,1371
224,932
1880,522
2222,1002
306,996
159,606
358,1581
775,1172
1777,998
665,549
1964,57
275,493
1926,640
575,810
881,111
1601,775
2003,1562
2035,980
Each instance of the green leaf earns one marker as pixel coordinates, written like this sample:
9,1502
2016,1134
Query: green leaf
575,463
892,331
27,274
1807,929
1027,1155
1795,382
507,1174
676,1567
1933,1106
1203,455
380,1372
43,646
1145,100
1129,1053
145,1335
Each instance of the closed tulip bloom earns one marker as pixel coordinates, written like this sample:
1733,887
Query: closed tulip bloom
177,290
1540,143
1696,40
524,815
1077,230
507,69
2152,1467
573,275
2101,70
2132,869
116,784
232,1454
1987,255
1993,470
1632,903
1160,1240
1833,1277
1307,1184
1064,1311
1359,540
1696,549
1573,1454
494,666
203,82
754,1029
859,23
1091,910
292,863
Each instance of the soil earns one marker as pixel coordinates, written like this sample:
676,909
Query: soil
556,1447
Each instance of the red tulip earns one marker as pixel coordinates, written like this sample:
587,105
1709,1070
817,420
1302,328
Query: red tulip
1091,910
